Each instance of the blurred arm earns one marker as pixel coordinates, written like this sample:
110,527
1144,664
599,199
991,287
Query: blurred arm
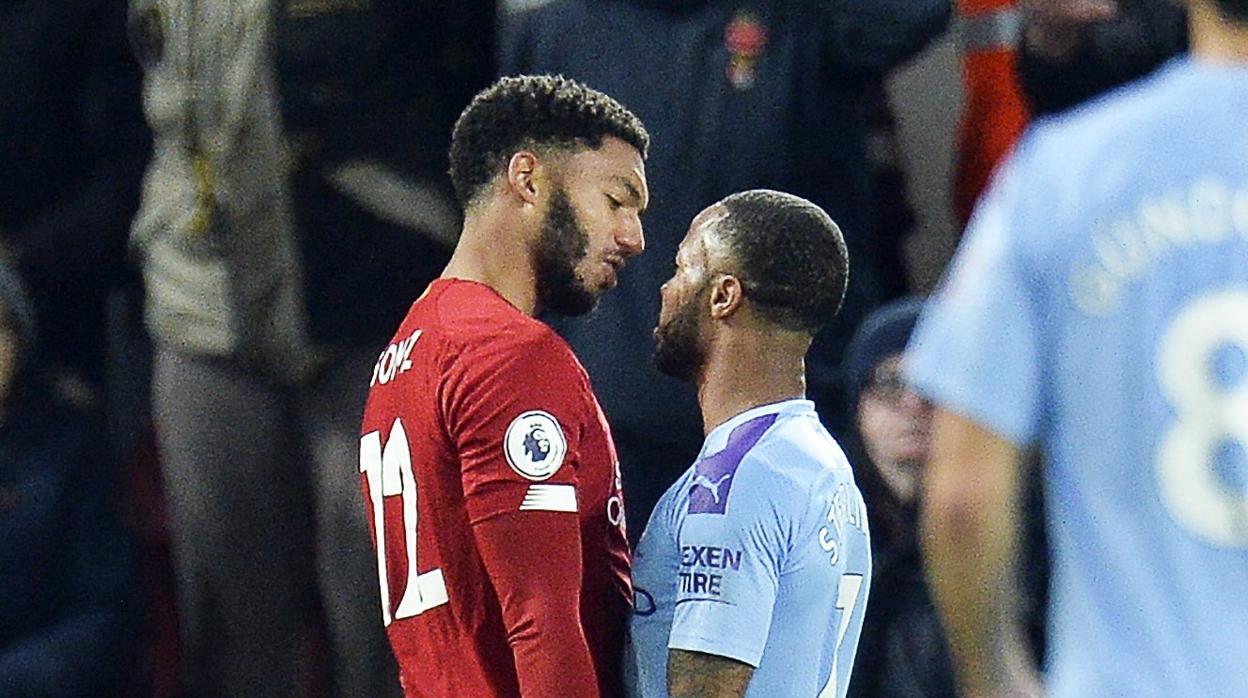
970,540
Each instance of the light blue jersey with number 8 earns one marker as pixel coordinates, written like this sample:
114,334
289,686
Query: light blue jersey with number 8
1099,308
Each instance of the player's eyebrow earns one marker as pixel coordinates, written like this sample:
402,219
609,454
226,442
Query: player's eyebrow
633,194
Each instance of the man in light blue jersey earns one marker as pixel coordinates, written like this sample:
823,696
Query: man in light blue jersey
752,575
1099,311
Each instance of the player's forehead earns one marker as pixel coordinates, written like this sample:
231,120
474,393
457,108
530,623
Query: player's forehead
613,164
702,240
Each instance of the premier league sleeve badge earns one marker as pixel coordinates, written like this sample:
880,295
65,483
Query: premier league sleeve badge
535,445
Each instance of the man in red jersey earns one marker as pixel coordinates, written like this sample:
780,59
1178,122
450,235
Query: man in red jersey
492,485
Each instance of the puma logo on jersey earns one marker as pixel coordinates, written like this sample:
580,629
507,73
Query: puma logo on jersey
394,360
710,486
713,476
700,480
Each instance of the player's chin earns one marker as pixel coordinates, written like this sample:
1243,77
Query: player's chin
608,279
573,301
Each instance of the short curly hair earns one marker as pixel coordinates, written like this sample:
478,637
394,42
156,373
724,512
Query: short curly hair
790,256
533,111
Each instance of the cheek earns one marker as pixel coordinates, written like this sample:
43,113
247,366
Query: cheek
601,234
595,220
877,422
868,422
672,296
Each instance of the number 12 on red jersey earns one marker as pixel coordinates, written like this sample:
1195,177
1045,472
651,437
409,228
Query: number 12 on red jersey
389,473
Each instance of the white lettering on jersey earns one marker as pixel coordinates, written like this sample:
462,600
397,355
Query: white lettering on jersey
1129,247
844,511
615,503
394,360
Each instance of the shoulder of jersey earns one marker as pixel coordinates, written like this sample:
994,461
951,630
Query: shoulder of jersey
1101,125
473,316
793,450
472,309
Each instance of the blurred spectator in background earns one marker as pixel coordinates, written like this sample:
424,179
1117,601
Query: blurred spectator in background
737,95
68,571
295,205
1029,58
1073,50
73,150
902,651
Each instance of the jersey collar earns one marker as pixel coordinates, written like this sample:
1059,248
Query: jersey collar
718,438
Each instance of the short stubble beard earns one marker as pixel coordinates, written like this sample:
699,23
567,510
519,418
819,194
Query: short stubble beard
561,245
679,349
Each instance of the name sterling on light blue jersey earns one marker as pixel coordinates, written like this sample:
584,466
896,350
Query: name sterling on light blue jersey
760,553
1099,308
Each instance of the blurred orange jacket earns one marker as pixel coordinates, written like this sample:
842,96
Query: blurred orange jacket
994,112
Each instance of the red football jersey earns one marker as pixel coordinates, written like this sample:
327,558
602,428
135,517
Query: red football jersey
493,495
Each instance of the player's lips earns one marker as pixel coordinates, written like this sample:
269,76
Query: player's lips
613,265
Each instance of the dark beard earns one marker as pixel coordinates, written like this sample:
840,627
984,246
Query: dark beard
561,246
678,346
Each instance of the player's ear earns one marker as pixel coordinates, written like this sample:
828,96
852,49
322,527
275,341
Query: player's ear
726,296
522,176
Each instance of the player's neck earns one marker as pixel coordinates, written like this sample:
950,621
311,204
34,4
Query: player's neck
747,369
1216,39
490,253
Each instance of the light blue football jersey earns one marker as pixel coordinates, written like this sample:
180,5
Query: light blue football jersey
759,552
1099,309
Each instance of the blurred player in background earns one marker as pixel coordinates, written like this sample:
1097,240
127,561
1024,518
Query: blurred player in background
1099,311
492,483
752,575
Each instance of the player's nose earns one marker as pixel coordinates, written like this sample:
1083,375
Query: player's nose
630,237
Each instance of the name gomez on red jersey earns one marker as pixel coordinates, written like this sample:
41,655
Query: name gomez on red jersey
493,495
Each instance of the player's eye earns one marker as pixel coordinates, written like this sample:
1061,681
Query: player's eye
614,202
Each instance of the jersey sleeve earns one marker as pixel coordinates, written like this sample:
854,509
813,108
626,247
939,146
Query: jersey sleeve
730,565
517,419
976,350
516,416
